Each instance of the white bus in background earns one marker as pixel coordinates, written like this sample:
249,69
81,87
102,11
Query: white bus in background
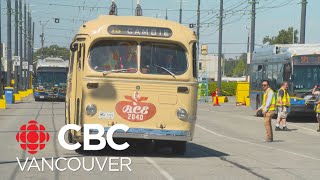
50,79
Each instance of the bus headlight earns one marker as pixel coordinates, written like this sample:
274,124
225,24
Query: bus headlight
182,114
91,110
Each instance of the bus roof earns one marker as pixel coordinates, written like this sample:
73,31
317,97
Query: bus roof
99,27
289,49
52,62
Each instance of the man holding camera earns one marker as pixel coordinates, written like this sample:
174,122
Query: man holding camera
316,92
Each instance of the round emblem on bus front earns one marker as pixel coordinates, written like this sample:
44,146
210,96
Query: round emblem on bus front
135,110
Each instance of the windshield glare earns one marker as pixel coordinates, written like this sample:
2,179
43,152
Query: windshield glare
114,55
121,57
158,58
52,78
305,77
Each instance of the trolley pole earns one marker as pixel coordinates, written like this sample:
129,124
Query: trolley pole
220,46
16,44
180,12
303,21
9,50
21,47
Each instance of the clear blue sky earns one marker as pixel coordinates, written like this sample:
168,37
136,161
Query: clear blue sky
272,15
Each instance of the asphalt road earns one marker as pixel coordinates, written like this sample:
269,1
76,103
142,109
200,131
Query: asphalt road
227,145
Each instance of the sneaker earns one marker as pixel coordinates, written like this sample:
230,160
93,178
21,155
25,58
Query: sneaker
277,129
268,140
285,129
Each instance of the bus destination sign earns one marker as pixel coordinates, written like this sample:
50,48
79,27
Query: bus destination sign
139,31
306,60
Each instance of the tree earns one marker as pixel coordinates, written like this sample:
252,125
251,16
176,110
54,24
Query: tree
284,37
234,67
240,68
52,51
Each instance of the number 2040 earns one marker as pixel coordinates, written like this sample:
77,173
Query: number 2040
135,117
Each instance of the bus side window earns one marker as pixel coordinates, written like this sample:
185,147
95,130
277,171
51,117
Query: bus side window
194,60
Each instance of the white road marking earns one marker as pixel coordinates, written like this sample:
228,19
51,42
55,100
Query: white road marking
313,132
162,171
247,142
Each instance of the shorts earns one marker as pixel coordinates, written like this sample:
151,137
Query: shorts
283,112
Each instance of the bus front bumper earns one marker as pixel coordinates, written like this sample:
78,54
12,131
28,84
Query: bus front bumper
302,110
150,134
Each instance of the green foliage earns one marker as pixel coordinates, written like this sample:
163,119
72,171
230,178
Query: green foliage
240,68
228,88
235,67
284,37
53,50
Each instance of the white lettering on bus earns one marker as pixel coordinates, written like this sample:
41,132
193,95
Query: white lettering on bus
130,31
136,110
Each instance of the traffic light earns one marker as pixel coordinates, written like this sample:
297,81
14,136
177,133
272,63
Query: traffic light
204,49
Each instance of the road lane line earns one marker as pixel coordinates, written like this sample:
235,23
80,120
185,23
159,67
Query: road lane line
248,142
162,171
257,119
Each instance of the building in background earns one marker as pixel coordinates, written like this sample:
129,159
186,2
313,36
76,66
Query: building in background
208,67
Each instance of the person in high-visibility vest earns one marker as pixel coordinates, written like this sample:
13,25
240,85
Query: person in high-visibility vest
316,91
268,107
283,105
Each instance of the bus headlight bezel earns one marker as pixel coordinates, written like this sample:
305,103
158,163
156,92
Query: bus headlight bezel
182,114
91,110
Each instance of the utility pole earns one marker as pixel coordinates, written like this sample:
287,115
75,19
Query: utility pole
21,47
180,14
30,48
9,50
25,45
220,46
1,84
16,45
252,36
303,21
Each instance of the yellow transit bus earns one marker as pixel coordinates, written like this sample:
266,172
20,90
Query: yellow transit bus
136,71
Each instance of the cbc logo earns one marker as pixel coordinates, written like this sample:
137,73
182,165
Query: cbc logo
32,137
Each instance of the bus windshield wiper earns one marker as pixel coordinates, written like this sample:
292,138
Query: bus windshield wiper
167,70
114,71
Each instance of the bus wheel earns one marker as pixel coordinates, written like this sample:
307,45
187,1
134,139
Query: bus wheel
179,147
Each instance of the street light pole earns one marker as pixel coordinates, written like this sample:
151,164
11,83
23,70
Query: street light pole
16,44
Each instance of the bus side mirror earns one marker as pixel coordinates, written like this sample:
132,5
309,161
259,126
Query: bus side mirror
73,47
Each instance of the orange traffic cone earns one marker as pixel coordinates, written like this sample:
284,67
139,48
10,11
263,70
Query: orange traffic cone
217,98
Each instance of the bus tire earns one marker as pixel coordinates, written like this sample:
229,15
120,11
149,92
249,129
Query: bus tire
179,147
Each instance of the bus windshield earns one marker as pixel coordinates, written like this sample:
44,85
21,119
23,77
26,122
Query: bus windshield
114,55
305,77
52,78
160,58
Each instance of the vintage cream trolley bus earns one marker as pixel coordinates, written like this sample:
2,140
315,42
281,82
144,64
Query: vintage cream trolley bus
136,71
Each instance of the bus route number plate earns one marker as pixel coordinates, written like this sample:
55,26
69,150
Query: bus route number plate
106,115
